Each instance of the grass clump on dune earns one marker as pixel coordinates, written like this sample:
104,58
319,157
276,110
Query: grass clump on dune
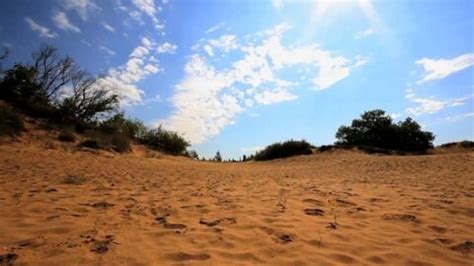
11,123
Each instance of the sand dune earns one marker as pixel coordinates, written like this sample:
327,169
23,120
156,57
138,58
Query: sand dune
326,209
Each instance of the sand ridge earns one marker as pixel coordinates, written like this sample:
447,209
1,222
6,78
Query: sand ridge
325,209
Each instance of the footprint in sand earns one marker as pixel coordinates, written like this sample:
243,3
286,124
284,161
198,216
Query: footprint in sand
465,247
400,217
314,212
102,205
211,223
438,229
8,259
181,256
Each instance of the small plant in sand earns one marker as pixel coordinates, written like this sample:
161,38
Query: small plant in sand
74,180
333,210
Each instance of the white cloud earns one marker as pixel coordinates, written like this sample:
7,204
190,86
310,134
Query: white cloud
122,80
215,27
274,96
207,99
277,4
460,117
107,50
83,7
108,27
432,105
43,31
365,33
436,69
251,150
62,22
149,8
166,48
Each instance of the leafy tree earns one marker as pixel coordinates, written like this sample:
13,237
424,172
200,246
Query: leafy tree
283,150
218,157
376,129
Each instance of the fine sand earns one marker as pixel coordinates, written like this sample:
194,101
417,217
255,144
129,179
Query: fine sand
144,208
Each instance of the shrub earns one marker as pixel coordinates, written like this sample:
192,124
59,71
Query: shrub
90,143
133,128
166,141
100,140
376,129
67,135
283,150
120,142
11,122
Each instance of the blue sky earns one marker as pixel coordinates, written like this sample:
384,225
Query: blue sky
237,75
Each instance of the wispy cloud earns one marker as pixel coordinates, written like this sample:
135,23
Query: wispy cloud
107,50
207,99
432,105
215,28
436,69
141,63
456,118
363,34
277,4
108,27
149,8
62,22
83,7
43,31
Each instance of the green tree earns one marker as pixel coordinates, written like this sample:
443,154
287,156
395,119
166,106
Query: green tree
376,129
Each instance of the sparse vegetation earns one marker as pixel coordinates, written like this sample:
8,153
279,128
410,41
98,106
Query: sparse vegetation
283,150
166,141
11,123
67,135
54,87
376,129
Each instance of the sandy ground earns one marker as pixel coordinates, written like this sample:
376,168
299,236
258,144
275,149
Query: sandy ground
142,209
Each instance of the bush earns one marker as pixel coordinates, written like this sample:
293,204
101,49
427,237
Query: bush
133,128
100,140
90,143
67,135
376,129
120,142
283,150
11,123
166,141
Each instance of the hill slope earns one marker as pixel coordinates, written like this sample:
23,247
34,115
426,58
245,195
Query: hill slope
332,208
